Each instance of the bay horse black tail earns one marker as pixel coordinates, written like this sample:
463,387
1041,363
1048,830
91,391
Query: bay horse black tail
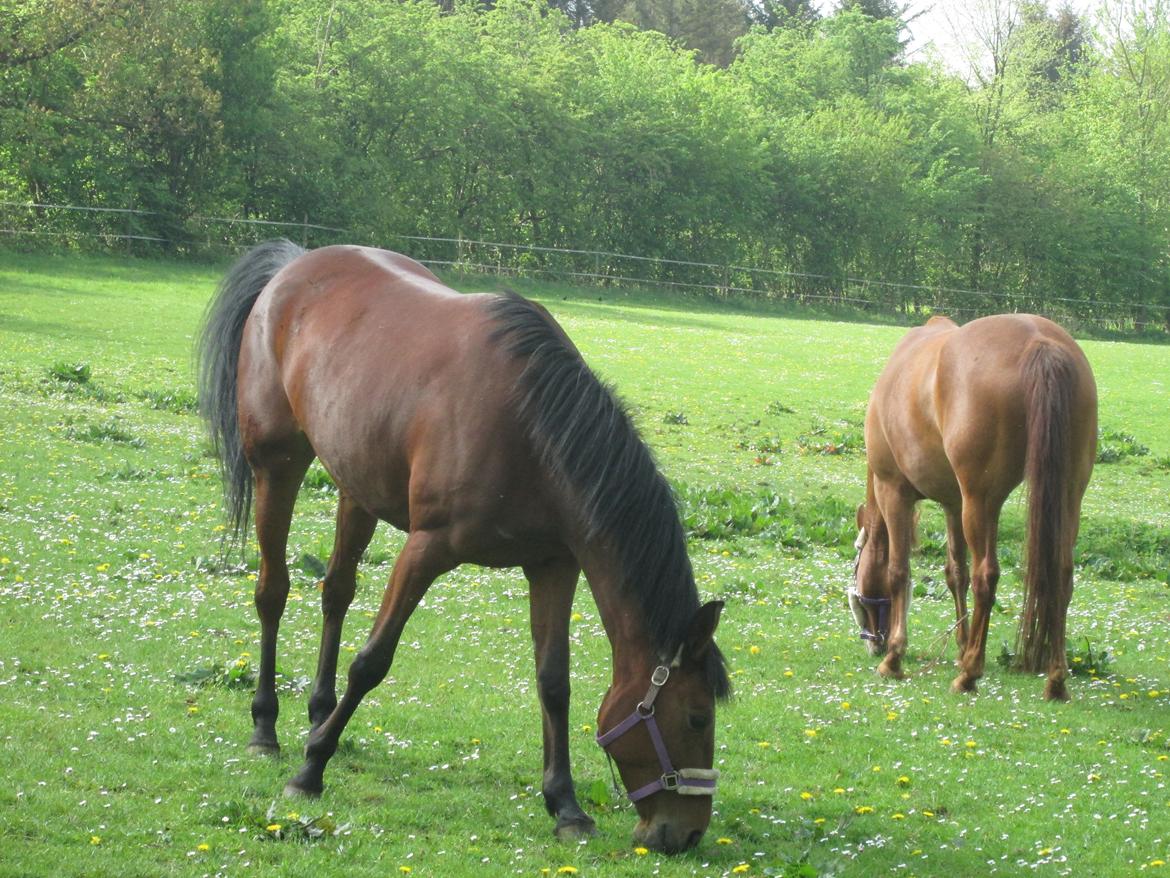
1050,381
218,353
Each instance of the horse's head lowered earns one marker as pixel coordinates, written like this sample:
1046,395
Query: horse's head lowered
660,731
869,595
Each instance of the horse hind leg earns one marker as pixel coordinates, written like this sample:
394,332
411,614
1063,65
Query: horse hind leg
981,528
354,530
550,590
275,494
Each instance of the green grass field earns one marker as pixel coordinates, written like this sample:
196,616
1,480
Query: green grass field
126,649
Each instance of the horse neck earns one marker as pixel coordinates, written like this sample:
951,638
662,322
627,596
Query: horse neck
630,642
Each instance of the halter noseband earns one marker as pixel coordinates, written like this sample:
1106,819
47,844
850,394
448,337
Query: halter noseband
882,604
684,781
883,608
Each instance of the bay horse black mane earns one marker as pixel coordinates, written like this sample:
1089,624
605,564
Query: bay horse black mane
585,437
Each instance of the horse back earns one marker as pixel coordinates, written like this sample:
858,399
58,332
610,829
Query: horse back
950,407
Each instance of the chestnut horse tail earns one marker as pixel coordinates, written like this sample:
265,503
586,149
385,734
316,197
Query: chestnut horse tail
1050,380
218,354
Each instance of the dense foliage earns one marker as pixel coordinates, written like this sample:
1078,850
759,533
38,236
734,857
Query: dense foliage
802,144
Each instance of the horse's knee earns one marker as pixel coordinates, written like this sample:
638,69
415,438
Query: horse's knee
367,670
552,685
336,595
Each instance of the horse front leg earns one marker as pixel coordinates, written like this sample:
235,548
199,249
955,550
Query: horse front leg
424,557
550,590
354,530
897,506
958,575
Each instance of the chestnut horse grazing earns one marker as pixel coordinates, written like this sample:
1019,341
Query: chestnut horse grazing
962,415
472,423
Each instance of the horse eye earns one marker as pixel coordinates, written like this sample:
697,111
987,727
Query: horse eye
699,721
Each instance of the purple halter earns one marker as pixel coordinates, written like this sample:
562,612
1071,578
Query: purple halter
883,608
684,781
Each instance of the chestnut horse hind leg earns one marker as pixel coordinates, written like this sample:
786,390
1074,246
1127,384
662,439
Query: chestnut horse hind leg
425,556
981,529
551,590
275,493
354,530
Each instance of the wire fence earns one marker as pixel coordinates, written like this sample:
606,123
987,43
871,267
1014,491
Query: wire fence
137,232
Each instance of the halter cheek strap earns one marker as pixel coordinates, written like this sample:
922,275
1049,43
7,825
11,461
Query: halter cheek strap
684,781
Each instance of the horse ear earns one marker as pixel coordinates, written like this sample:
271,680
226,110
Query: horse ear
701,633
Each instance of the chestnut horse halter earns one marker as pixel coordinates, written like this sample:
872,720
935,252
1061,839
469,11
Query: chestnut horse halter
684,781
882,604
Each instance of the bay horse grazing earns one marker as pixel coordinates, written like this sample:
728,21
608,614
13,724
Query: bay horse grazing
962,415
472,423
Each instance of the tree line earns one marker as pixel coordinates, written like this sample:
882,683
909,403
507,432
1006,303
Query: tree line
733,132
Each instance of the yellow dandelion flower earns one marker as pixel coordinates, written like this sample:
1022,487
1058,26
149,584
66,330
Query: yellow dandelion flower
723,840
754,650
1157,862
927,813
764,745
904,781
818,821
788,673
806,795
567,870
405,870
101,568
892,715
1065,732
839,791
863,809
876,768
810,733
192,709
741,868
844,705
971,744
577,617
641,851
203,847
273,827
946,742
95,839
898,816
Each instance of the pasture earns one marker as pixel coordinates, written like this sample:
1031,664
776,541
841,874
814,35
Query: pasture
127,645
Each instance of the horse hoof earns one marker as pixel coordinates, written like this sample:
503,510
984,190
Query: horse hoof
890,672
575,829
295,789
962,685
1056,692
260,748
